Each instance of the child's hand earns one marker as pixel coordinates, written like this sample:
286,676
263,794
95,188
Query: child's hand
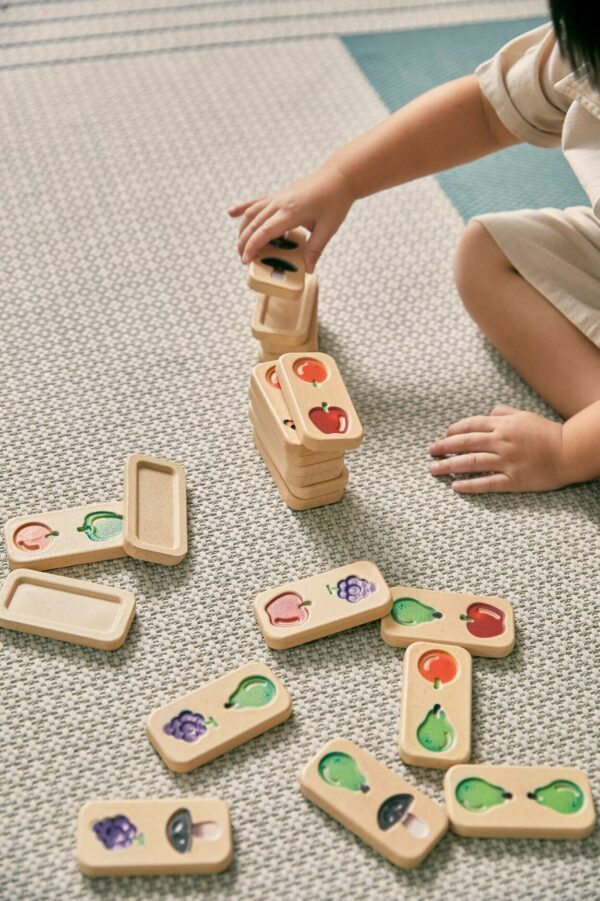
523,451
319,202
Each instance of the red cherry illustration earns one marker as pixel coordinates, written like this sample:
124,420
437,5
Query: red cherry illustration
438,667
272,378
484,620
330,420
310,371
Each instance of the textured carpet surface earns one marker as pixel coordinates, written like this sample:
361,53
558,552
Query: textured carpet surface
125,327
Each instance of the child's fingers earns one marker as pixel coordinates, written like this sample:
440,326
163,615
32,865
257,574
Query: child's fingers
460,444
503,410
465,463
239,208
249,216
495,484
471,424
272,228
260,216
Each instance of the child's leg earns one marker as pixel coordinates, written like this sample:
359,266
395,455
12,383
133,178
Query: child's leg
545,348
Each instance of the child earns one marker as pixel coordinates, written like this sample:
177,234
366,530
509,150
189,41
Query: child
530,279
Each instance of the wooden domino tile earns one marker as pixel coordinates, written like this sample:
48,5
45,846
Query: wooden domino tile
318,401
279,269
298,470
435,718
65,537
217,717
292,500
155,837
483,625
330,602
268,401
281,323
155,510
387,813
519,801
272,346
294,475
71,610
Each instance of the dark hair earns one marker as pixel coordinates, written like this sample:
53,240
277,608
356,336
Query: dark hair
577,27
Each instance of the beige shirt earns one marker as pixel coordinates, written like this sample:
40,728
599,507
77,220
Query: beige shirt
542,101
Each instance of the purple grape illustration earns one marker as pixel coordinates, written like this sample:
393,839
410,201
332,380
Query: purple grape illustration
189,726
353,589
117,832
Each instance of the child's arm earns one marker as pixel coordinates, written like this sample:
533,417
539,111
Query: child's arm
522,451
449,125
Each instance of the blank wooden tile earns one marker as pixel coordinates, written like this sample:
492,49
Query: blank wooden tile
155,510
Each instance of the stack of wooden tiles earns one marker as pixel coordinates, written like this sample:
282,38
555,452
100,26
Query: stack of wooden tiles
303,423
285,313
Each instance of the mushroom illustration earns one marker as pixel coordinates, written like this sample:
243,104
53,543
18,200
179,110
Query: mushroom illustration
181,831
395,809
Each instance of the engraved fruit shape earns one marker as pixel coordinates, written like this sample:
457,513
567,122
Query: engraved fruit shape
278,267
341,770
410,612
561,795
310,370
438,667
484,620
395,809
288,610
102,525
283,243
272,378
436,733
181,831
189,726
34,536
329,420
352,589
253,691
117,833
478,795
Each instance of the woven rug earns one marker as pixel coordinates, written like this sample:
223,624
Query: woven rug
127,129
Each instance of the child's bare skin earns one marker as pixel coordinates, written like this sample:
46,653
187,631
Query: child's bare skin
448,126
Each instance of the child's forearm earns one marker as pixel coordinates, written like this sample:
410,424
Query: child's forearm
581,445
450,125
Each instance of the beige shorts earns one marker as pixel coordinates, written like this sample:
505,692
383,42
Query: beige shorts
558,252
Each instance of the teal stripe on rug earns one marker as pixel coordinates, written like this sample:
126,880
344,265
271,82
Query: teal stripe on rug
402,64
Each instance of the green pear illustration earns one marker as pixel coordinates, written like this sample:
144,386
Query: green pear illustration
477,795
561,795
253,691
435,732
410,612
340,770
102,525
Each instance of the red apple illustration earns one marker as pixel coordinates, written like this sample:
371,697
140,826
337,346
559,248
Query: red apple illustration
438,667
272,378
287,610
34,536
484,620
310,371
330,420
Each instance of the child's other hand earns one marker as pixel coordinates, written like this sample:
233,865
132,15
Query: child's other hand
518,451
319,202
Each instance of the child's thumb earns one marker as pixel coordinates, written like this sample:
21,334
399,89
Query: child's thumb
315,246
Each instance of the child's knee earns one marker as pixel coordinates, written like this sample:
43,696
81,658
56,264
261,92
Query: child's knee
478,262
